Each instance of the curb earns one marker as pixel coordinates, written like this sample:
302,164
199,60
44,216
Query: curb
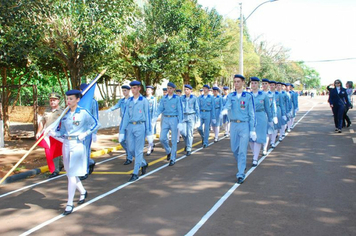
44,169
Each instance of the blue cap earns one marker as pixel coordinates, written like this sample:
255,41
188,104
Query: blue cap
272,82
172,85
73,92
239,76
149,86
178,90
188,86
135,83
226,88
265,80
200,90
125,87
164,89
83,86
206,86
292,85
216,88
254,79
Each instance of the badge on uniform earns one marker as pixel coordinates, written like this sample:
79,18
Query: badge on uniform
76,123
242,104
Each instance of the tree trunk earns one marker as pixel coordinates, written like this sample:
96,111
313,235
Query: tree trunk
5,103
186,78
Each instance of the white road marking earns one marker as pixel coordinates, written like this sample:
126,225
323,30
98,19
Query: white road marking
231,190
352,131
354,140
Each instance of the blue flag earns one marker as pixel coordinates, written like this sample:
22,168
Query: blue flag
88,95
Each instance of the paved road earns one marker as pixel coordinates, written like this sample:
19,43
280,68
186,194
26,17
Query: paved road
305,186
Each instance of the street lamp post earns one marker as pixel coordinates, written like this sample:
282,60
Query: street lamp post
242,22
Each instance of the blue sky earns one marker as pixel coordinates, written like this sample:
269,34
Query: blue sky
313,30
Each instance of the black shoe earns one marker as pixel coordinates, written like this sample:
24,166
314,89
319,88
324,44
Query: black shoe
168,156
65,213
91,168
54,174
348,125
189,153
171,163
133,178
336,129
83,177
240,180
185,148
148,154
127,162
215,140
144,169
339,131
83,200
204,146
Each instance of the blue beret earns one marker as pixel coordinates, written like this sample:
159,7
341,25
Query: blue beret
206,86
200,90
239,76
125,87
265,80
164,89
278,82
272,82
73,92
287,84
188,86
216,88
254,79
178,90
292,85
149,86
83,86
135,83
172,85
284,84
226,88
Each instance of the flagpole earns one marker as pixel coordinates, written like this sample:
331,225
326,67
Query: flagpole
45,134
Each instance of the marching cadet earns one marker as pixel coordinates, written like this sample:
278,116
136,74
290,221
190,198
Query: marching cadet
164,91
263,117
225,120
294,100
136,124
179,94
152,101
122,105
47,119
191,113
218,105
74,127
171,108
240,108
272,108
94,110
288,105
201,91
282,104
207,114
280,111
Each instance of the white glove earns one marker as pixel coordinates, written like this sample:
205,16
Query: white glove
94,138
284,117
150,138
296,110
121,137
253,135
214,121
180,127
270,124
197,124
275,120
82,136
50,133
289,114
223,112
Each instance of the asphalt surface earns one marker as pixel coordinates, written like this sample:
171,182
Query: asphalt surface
305,186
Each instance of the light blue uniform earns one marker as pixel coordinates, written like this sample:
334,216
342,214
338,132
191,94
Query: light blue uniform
287,105
122,105
172,114
190,116
241,113
225,117
294,100
280,110
273,109
152,101
72,124
136,125
207,113
263,115
218,105
94,110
